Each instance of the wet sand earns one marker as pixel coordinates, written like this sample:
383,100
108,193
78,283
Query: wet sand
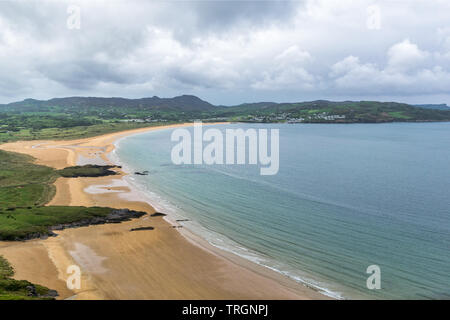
116,263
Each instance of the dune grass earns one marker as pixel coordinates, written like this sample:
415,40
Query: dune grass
22,183
68,133
25,188
12,289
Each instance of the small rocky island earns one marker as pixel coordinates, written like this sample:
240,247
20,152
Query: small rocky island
143,173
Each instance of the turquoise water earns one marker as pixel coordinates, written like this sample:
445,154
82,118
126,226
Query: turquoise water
345,197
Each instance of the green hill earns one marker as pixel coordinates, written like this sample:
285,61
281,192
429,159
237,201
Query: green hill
74,117
86,104
345,111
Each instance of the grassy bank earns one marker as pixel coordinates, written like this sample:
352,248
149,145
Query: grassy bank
12,289
25,188
23,223
23,183
67,133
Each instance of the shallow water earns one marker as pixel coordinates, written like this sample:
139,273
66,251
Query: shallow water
345,197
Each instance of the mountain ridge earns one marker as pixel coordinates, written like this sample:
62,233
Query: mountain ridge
70,111
177,103
185,101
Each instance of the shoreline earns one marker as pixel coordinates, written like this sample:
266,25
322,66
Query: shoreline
164,263
197,237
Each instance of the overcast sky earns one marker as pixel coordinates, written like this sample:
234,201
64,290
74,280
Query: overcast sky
227,52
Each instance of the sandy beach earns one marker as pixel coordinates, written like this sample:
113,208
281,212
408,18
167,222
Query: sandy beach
164,263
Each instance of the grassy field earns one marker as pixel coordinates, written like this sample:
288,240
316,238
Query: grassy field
11,289
68,133
354,111
78,117
19,223
25,188
22,183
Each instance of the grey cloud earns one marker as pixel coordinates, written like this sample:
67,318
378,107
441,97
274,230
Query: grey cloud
228,51
83,74
190,19
223,14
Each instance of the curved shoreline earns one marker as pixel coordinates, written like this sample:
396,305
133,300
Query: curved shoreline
117,264
196,235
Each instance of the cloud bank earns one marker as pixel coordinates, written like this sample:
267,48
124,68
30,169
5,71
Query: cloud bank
228,51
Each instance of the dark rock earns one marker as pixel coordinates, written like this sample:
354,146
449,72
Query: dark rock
51,234
158,214
182,220
143,173
31,291
142,228
86,171
52,294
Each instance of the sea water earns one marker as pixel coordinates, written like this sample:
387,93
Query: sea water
347,196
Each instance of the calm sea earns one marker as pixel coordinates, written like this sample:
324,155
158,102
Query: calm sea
345,197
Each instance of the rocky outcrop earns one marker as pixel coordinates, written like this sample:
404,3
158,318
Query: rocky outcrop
88,170
32,292
158,214
143,173
142,229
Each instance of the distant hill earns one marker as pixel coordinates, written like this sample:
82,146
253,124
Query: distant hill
323,111
441,106
254,105
179,103
75,117
90,110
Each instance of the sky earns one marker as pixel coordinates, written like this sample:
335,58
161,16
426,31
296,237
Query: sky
227,52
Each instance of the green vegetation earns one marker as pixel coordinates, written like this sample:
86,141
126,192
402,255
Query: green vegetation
89,170
21,132
11,289
79,117
22,223
6,270
398,115
334,112
25,188
22,183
